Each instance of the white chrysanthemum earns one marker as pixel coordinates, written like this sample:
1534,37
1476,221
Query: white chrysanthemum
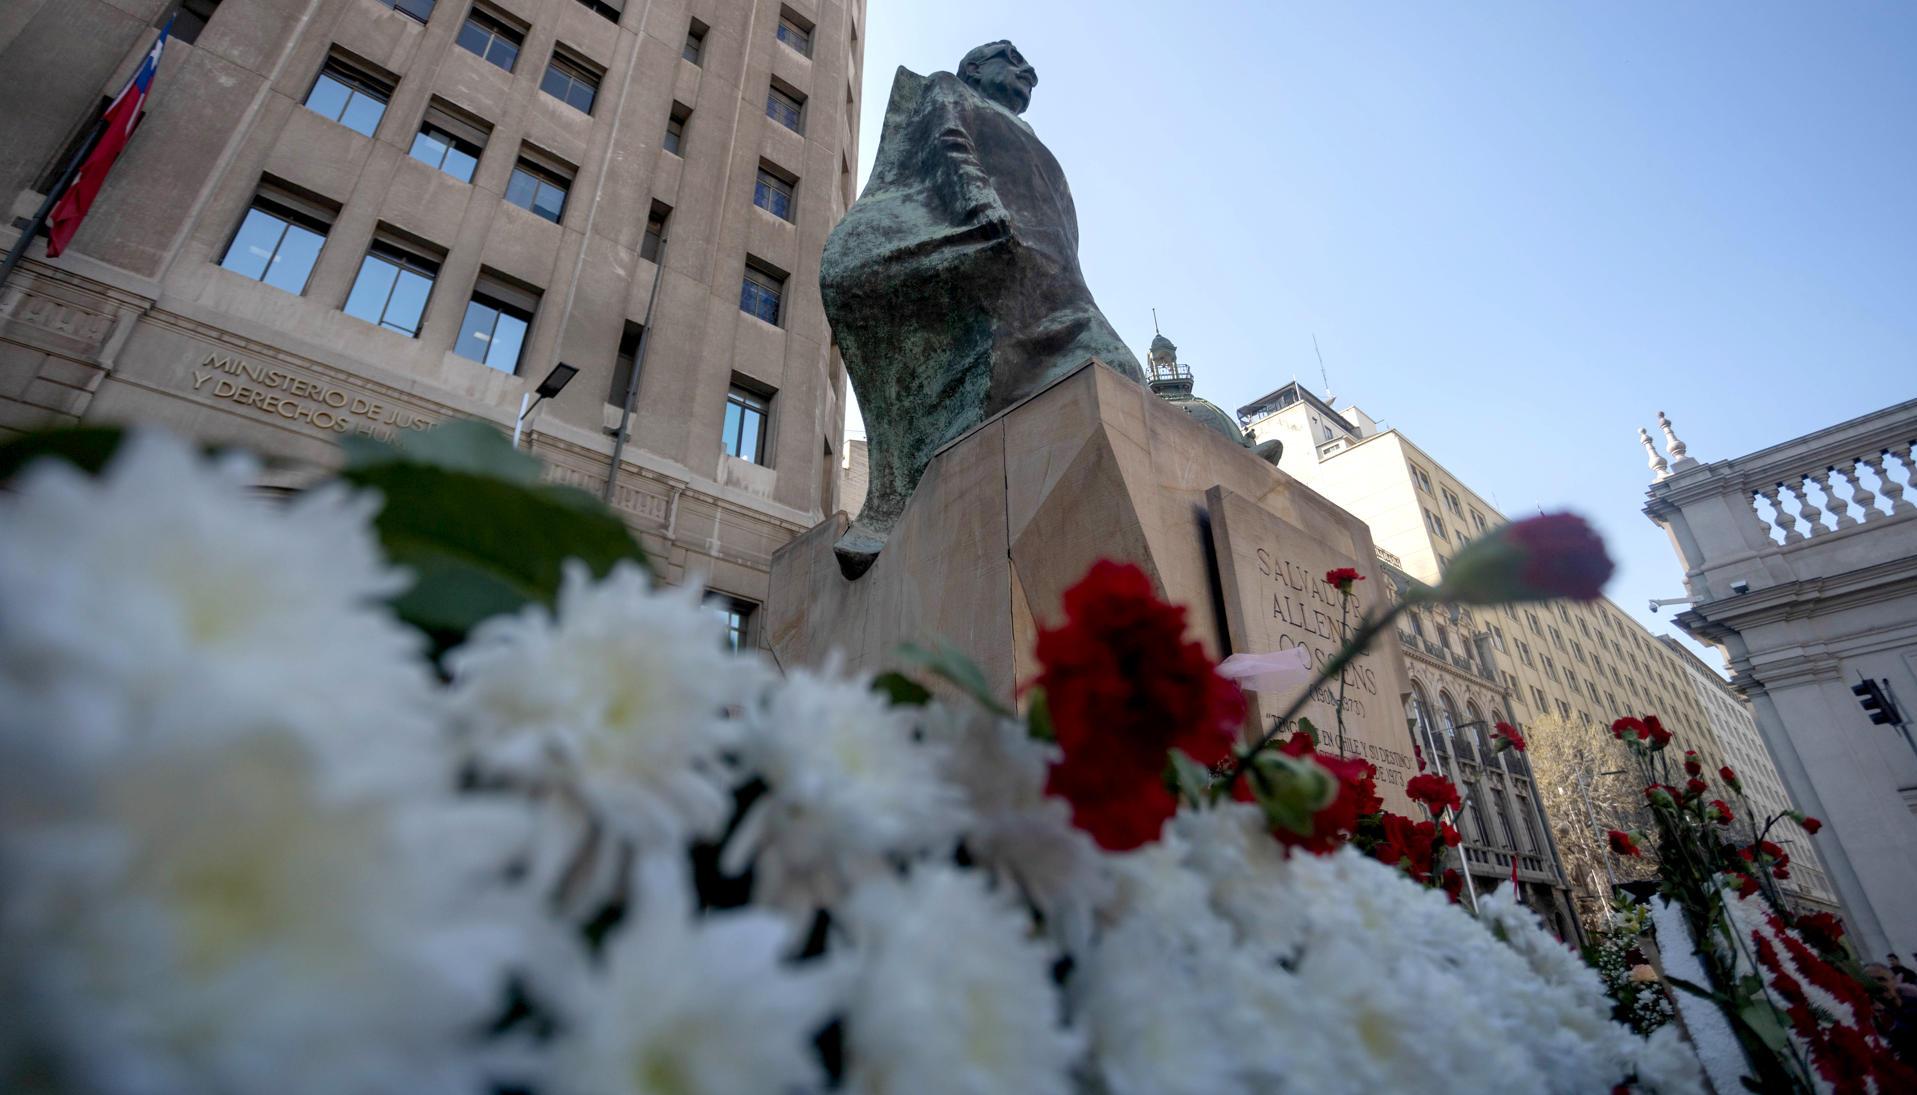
849,784
219,917
953,993
692,1006
625,690
166,581
1018,830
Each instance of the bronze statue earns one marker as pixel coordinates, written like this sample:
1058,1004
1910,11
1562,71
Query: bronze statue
952,285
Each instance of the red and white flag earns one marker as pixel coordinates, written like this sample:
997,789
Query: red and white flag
122,117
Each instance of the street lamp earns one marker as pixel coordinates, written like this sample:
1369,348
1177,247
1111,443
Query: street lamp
554,383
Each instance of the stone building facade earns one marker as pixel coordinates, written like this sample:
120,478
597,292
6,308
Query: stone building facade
346,216
1457,698
1584,663
1801,564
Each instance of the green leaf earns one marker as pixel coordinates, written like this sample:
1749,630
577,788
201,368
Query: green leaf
900,690
1189,778
460,444
479,545
1306,725
1292,789
1761,1018
1038,717
88,448
1691,987
950,665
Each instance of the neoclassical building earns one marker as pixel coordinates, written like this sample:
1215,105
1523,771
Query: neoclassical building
366,216
1800,561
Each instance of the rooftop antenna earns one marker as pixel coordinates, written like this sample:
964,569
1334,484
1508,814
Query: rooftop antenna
1322,374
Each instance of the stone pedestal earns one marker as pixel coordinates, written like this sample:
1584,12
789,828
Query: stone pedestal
1095,466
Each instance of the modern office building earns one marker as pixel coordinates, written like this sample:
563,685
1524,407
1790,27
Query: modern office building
366,216
1801,564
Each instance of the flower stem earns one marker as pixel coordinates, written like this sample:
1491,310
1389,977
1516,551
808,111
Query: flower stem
1344,635
1356,645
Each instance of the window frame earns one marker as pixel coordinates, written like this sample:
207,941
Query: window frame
470,143
503,299
694,49
793,101
578,73
609,12
291,212
768,283
356,79
404,258
405,7
543,174
497,28
737,615
650,242
748,401
796,34
773,187
674,140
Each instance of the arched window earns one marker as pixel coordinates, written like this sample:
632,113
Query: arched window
1474,718
1448,713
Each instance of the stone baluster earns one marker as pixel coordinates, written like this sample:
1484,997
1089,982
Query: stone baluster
1888,487
1808,509
1838,508
1785,522
1861,496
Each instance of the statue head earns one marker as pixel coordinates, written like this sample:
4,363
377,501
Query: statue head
997,71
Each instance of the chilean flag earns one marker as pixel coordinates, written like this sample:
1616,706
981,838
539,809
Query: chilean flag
121,118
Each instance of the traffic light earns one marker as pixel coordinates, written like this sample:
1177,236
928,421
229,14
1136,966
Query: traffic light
1876,704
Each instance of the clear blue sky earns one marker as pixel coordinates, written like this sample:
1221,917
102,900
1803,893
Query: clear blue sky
1517,229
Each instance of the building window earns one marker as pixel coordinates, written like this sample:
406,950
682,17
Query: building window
1423,480
744,436
1477,520
278,241
1564,711
496,322
1451,501
622,363
448,142
571,82
189,17
1524,652
761,293
539,188
1435,523
773,194
695,47
349,95
675,142
787,109
736,614
655,238
1543,705
605,9
491,37
393,286
795,32
418,9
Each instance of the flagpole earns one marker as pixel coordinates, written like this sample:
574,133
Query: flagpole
58,190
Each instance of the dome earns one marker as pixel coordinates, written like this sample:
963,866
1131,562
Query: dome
1211,416
1161,343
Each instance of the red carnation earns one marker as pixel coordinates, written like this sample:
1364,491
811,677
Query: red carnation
1722,811
1537,559
1124,688
1622,844
1746,885
1811,825
1453,884
1435,792
1654,729
1691,765
1630,725
1342,579
1695,788
1505,736
1730,778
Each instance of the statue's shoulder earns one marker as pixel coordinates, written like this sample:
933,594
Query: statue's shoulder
911,91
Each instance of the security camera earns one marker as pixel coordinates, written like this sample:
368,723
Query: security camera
1740,587
1655,606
